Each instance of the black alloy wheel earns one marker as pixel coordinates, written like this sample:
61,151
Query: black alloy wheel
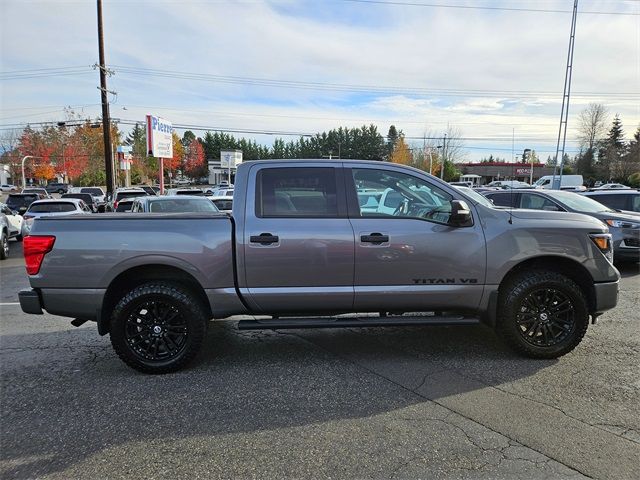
542,314
158,327
156,330
546,317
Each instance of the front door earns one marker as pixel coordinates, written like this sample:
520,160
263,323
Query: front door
407,257
297,240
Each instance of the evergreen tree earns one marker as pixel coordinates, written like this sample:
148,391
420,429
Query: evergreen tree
392,139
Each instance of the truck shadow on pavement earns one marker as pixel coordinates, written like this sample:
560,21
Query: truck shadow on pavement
66,397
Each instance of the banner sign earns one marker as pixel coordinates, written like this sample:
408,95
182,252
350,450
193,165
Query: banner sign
159,139
230,158
523,171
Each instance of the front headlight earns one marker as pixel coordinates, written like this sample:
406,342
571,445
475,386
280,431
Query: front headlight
622,223
603,242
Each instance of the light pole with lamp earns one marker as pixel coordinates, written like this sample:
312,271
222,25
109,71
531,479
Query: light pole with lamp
24,181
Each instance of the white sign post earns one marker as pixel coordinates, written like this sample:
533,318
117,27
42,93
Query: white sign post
230,159
159,143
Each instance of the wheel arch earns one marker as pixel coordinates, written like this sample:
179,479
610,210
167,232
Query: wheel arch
134,276
566,266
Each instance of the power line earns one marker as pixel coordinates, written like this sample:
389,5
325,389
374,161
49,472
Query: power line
484,7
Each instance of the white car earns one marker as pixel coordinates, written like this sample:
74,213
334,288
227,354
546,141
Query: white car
224,204
219,192
50,208
184,191
7,187
612,186
122,193
14,219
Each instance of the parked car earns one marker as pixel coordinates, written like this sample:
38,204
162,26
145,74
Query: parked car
122,193
97,193
87,198
51,208
7,187
536,276
6,233
56,187
19,202
627,201
15,222
625,229
223,204
184,191
173,204
40,191
611,186
461,184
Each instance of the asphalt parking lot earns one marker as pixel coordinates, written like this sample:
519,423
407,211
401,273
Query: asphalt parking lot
449,402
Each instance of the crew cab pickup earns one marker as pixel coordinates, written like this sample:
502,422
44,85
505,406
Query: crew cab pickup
305,245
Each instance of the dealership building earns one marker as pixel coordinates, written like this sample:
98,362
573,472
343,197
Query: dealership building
489,171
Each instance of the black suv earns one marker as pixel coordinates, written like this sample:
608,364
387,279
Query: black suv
55,187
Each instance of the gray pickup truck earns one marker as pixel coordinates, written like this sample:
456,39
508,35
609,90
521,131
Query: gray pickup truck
310,241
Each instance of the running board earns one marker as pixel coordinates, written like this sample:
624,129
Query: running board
282,323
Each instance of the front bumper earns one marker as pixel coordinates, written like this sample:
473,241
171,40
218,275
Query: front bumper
606,296
30,301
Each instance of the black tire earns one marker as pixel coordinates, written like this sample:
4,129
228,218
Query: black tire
158,327
4,246
542,314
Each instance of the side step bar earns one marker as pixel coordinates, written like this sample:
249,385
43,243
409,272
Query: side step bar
283,323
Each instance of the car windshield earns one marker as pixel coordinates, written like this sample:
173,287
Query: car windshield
52,207
579,203
121,195
17,201
189,192
481,199
87,198
124,206
95,192
34,190
181,205
223,204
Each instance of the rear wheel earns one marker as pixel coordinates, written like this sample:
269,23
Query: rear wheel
542,314
158,327
4,246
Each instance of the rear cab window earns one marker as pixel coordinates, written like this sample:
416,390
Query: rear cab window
296,192
52,207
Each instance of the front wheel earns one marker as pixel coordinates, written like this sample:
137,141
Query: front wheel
542,314
158,327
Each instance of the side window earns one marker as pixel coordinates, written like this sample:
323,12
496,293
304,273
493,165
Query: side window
635,203
383,193
502,199
296,192
618,202
537,202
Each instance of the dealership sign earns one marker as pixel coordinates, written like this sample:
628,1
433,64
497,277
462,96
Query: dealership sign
159,138
230,158
523,171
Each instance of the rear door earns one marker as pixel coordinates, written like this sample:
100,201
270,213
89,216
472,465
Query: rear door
410,259
297,240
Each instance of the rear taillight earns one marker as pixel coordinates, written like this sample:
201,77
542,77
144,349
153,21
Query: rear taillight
35,247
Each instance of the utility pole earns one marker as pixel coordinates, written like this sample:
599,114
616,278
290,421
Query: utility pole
444,155
106,123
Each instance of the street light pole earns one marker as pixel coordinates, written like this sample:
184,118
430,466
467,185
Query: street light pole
24,181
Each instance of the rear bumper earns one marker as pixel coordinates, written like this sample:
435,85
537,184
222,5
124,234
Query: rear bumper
606,296
30,301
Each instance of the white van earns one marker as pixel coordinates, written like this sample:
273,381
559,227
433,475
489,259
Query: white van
569,182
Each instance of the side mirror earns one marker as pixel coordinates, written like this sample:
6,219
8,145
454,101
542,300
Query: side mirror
460,214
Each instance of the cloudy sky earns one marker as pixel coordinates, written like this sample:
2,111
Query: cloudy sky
491,69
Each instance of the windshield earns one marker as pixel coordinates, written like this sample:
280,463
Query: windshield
481,199
579,203
182,205
96,192
121,195
15,202
87,198
52,207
